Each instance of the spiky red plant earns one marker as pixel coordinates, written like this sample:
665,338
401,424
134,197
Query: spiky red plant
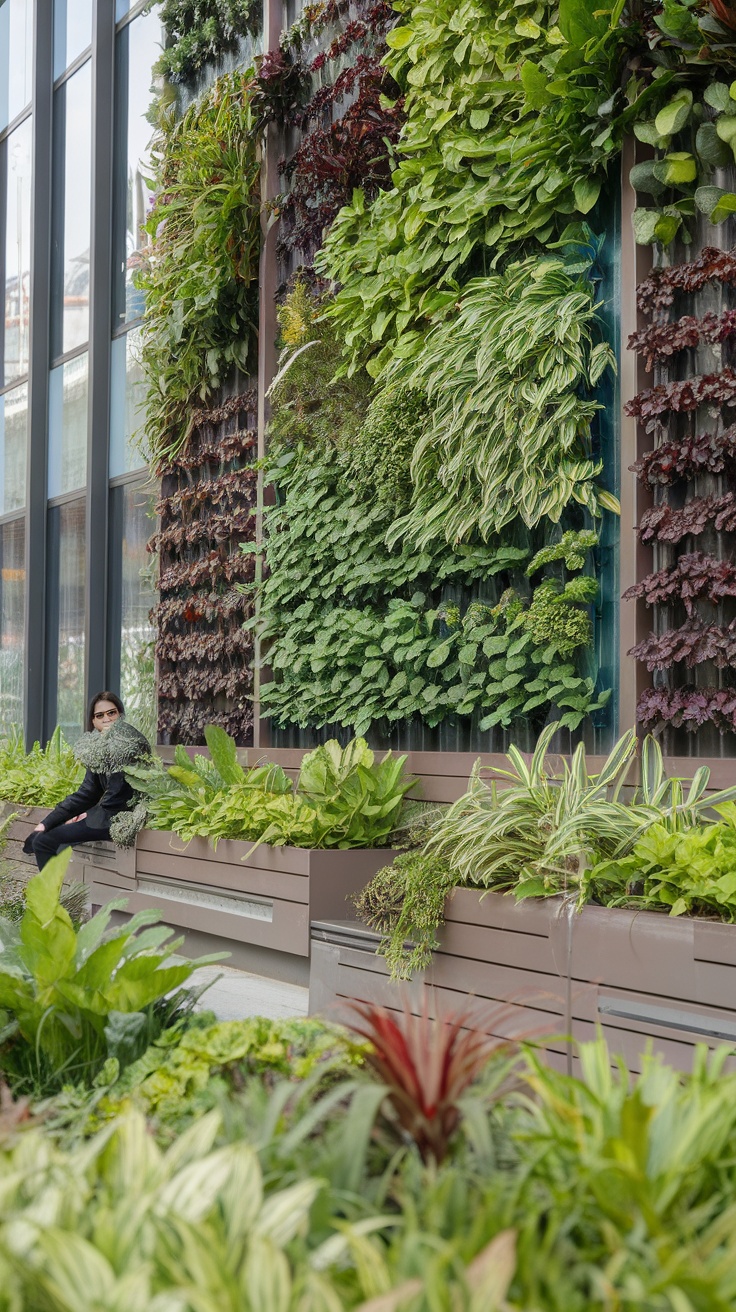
427,1065
724,12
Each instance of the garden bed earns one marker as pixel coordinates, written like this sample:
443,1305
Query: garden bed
644,977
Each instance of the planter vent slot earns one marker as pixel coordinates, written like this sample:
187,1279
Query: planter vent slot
253,908
668,1017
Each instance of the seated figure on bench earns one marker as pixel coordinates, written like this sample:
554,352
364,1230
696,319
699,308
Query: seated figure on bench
110,745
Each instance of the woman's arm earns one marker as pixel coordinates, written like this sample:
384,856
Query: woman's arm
87,795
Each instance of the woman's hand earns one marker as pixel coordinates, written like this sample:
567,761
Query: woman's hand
73,820
40,829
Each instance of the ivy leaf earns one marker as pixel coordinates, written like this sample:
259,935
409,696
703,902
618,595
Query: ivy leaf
644,178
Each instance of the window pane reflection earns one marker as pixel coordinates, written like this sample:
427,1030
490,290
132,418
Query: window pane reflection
16,58
132,596
127,404
66,618
72,31
13,443
68,426
71,221
18,252
138,48
12,620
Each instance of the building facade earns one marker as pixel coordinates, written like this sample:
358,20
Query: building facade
75,495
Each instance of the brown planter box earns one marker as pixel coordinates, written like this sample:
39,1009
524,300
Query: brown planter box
88,860
645,978
268,900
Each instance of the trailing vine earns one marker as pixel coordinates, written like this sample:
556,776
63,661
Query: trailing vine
201,278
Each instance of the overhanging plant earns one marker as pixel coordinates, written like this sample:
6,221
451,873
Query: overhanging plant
201,278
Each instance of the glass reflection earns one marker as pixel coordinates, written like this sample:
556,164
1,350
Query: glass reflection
12,623
127,404
68,426
71,575
138,48
16,58
13,445
137,635
72,212
18,252
72,32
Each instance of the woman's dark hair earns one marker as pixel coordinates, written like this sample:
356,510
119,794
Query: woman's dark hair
102,697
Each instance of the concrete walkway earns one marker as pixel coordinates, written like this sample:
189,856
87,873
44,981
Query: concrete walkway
236,994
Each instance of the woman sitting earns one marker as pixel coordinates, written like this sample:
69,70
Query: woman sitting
106,750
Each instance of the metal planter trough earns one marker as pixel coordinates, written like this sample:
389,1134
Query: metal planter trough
259,909
648,980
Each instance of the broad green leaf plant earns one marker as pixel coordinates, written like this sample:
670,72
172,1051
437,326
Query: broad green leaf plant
69,999
512,123
343,797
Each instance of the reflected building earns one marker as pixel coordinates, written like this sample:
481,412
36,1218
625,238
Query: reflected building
75,87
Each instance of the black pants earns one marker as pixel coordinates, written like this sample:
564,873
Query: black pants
47,844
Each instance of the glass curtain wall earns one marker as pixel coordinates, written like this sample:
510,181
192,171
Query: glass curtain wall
16,140
47,390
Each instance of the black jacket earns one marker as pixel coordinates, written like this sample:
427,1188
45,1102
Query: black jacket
104,791
100,795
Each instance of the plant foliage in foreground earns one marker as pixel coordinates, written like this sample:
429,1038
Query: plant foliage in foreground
69,999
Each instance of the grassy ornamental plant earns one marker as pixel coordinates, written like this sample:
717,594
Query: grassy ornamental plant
540,829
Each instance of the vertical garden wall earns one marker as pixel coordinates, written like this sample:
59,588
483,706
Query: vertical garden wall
432,557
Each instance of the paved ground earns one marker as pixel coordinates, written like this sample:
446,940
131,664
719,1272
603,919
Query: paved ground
236,994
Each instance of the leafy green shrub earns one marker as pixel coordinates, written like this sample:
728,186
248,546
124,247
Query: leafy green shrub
41,777
343,797
70,998
199,31
512,124
182,1075
201,280
691,872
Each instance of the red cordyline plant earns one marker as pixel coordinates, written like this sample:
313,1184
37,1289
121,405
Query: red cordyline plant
426,1065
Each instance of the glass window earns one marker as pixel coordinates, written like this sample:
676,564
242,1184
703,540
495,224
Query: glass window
127,404
12,622
16,58
68,426
132,663
72,32
138,47
18,252
13,444
72,212
65,619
